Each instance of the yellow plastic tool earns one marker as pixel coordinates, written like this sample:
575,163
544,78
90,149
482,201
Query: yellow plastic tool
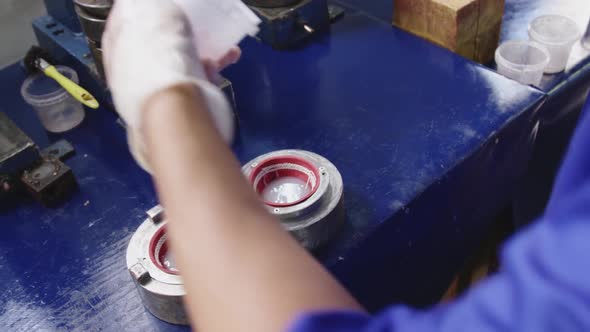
79,93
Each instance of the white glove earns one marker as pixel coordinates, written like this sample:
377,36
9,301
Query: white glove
148,46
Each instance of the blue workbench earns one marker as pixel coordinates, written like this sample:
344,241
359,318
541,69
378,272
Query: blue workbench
565,93
430,147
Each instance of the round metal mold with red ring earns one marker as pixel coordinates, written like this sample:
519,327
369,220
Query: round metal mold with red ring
157,279
303,189
160,254
284,181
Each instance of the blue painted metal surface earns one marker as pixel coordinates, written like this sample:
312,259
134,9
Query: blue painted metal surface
63,11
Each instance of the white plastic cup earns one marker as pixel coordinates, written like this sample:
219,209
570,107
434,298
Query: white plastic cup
558,34
55,107
522,61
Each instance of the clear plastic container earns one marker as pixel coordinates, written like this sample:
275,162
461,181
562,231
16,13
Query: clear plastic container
558,34
56,108
219,25
522,61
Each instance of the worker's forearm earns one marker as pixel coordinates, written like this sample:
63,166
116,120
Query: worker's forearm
241,270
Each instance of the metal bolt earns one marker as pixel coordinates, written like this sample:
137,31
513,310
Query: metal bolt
139,273
156,214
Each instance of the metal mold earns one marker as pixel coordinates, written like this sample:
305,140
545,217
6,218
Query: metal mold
98,8
161,291
93,26
317,217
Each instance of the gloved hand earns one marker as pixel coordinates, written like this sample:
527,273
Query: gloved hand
148,46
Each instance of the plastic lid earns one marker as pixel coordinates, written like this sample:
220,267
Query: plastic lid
40,90
554,30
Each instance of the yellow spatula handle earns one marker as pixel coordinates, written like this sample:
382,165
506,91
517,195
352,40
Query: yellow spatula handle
74,89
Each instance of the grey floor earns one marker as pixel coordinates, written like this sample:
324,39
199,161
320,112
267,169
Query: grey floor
16,34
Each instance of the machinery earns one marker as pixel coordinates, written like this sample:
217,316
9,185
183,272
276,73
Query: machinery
93,17
286,23
23,168
72,33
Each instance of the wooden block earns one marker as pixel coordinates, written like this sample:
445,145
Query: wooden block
409,15
490,26
470,28
453,24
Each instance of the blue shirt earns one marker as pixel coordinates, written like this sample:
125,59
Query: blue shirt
544,284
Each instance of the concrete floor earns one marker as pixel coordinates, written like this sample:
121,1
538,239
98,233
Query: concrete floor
16,34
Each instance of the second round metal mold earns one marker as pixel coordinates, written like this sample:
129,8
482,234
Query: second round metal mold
315,220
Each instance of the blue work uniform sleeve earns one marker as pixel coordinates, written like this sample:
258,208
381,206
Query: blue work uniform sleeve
544,284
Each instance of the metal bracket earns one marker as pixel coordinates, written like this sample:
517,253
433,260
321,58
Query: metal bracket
139,273
61,150
156,214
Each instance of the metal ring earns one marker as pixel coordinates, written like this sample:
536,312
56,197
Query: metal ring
315,219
